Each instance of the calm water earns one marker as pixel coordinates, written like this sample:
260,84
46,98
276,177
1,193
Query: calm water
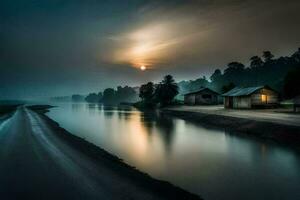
209,162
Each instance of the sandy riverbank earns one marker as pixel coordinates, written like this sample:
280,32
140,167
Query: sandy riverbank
141,181
287,132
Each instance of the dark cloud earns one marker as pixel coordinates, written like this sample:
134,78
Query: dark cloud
60,47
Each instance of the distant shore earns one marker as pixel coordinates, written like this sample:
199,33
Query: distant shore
161,189
280,133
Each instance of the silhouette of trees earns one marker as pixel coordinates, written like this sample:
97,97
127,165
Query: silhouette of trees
269,71
126,94
147,94
235,73
296,56
189,86
163,93
77,97
166,91
292,83
228,87
267,55
109,96
216,75
94,98
255,62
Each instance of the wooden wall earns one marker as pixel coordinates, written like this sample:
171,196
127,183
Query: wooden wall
198,99
242,102
253,100
189,99
272,97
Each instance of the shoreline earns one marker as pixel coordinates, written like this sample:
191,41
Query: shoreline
162,189
280,133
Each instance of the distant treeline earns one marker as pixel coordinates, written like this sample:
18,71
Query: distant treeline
145,96
264,70
111,96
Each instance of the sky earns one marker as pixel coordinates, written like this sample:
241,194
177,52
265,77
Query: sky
61,47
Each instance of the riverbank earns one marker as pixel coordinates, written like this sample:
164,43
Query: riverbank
261,124
155,189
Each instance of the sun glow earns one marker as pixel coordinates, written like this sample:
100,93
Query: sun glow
143,68
149,45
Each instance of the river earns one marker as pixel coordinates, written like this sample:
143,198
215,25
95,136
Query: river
208,161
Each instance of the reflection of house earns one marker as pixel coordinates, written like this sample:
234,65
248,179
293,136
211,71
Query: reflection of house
204,96
250,97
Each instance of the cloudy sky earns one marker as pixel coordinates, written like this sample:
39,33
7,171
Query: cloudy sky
60,47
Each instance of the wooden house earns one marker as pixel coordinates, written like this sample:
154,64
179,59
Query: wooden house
203,96
251,97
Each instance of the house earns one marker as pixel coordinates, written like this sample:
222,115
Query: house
250,97
203,96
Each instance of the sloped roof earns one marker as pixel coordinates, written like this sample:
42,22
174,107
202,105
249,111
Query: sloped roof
244,91
200,90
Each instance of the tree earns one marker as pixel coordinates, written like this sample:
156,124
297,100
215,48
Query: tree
234,67
216,75
126,94
147,92
92,98
77,97
292,83
235,72
166,91
255,62
296,56
267,55
228,87
109,96
100,97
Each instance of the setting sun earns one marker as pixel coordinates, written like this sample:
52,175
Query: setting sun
143,68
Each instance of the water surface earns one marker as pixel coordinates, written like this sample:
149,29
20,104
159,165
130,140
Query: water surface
210,162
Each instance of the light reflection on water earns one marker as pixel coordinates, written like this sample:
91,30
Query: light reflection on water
209,162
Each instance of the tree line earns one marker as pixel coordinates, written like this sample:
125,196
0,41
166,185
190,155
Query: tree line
111,96
149,94
279,73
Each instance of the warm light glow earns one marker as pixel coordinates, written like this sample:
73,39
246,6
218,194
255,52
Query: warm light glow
143,67
264,98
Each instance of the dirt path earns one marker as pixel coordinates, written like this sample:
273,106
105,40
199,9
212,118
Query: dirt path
36,164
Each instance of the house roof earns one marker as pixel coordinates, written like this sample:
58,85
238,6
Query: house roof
200,90
244,91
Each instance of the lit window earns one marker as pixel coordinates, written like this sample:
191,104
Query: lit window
264,98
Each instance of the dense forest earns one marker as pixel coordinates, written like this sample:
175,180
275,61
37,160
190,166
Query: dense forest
264,70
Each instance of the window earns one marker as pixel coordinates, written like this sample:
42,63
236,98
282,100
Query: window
264,98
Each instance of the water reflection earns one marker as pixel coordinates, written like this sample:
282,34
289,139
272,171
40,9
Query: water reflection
76,107
204,160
